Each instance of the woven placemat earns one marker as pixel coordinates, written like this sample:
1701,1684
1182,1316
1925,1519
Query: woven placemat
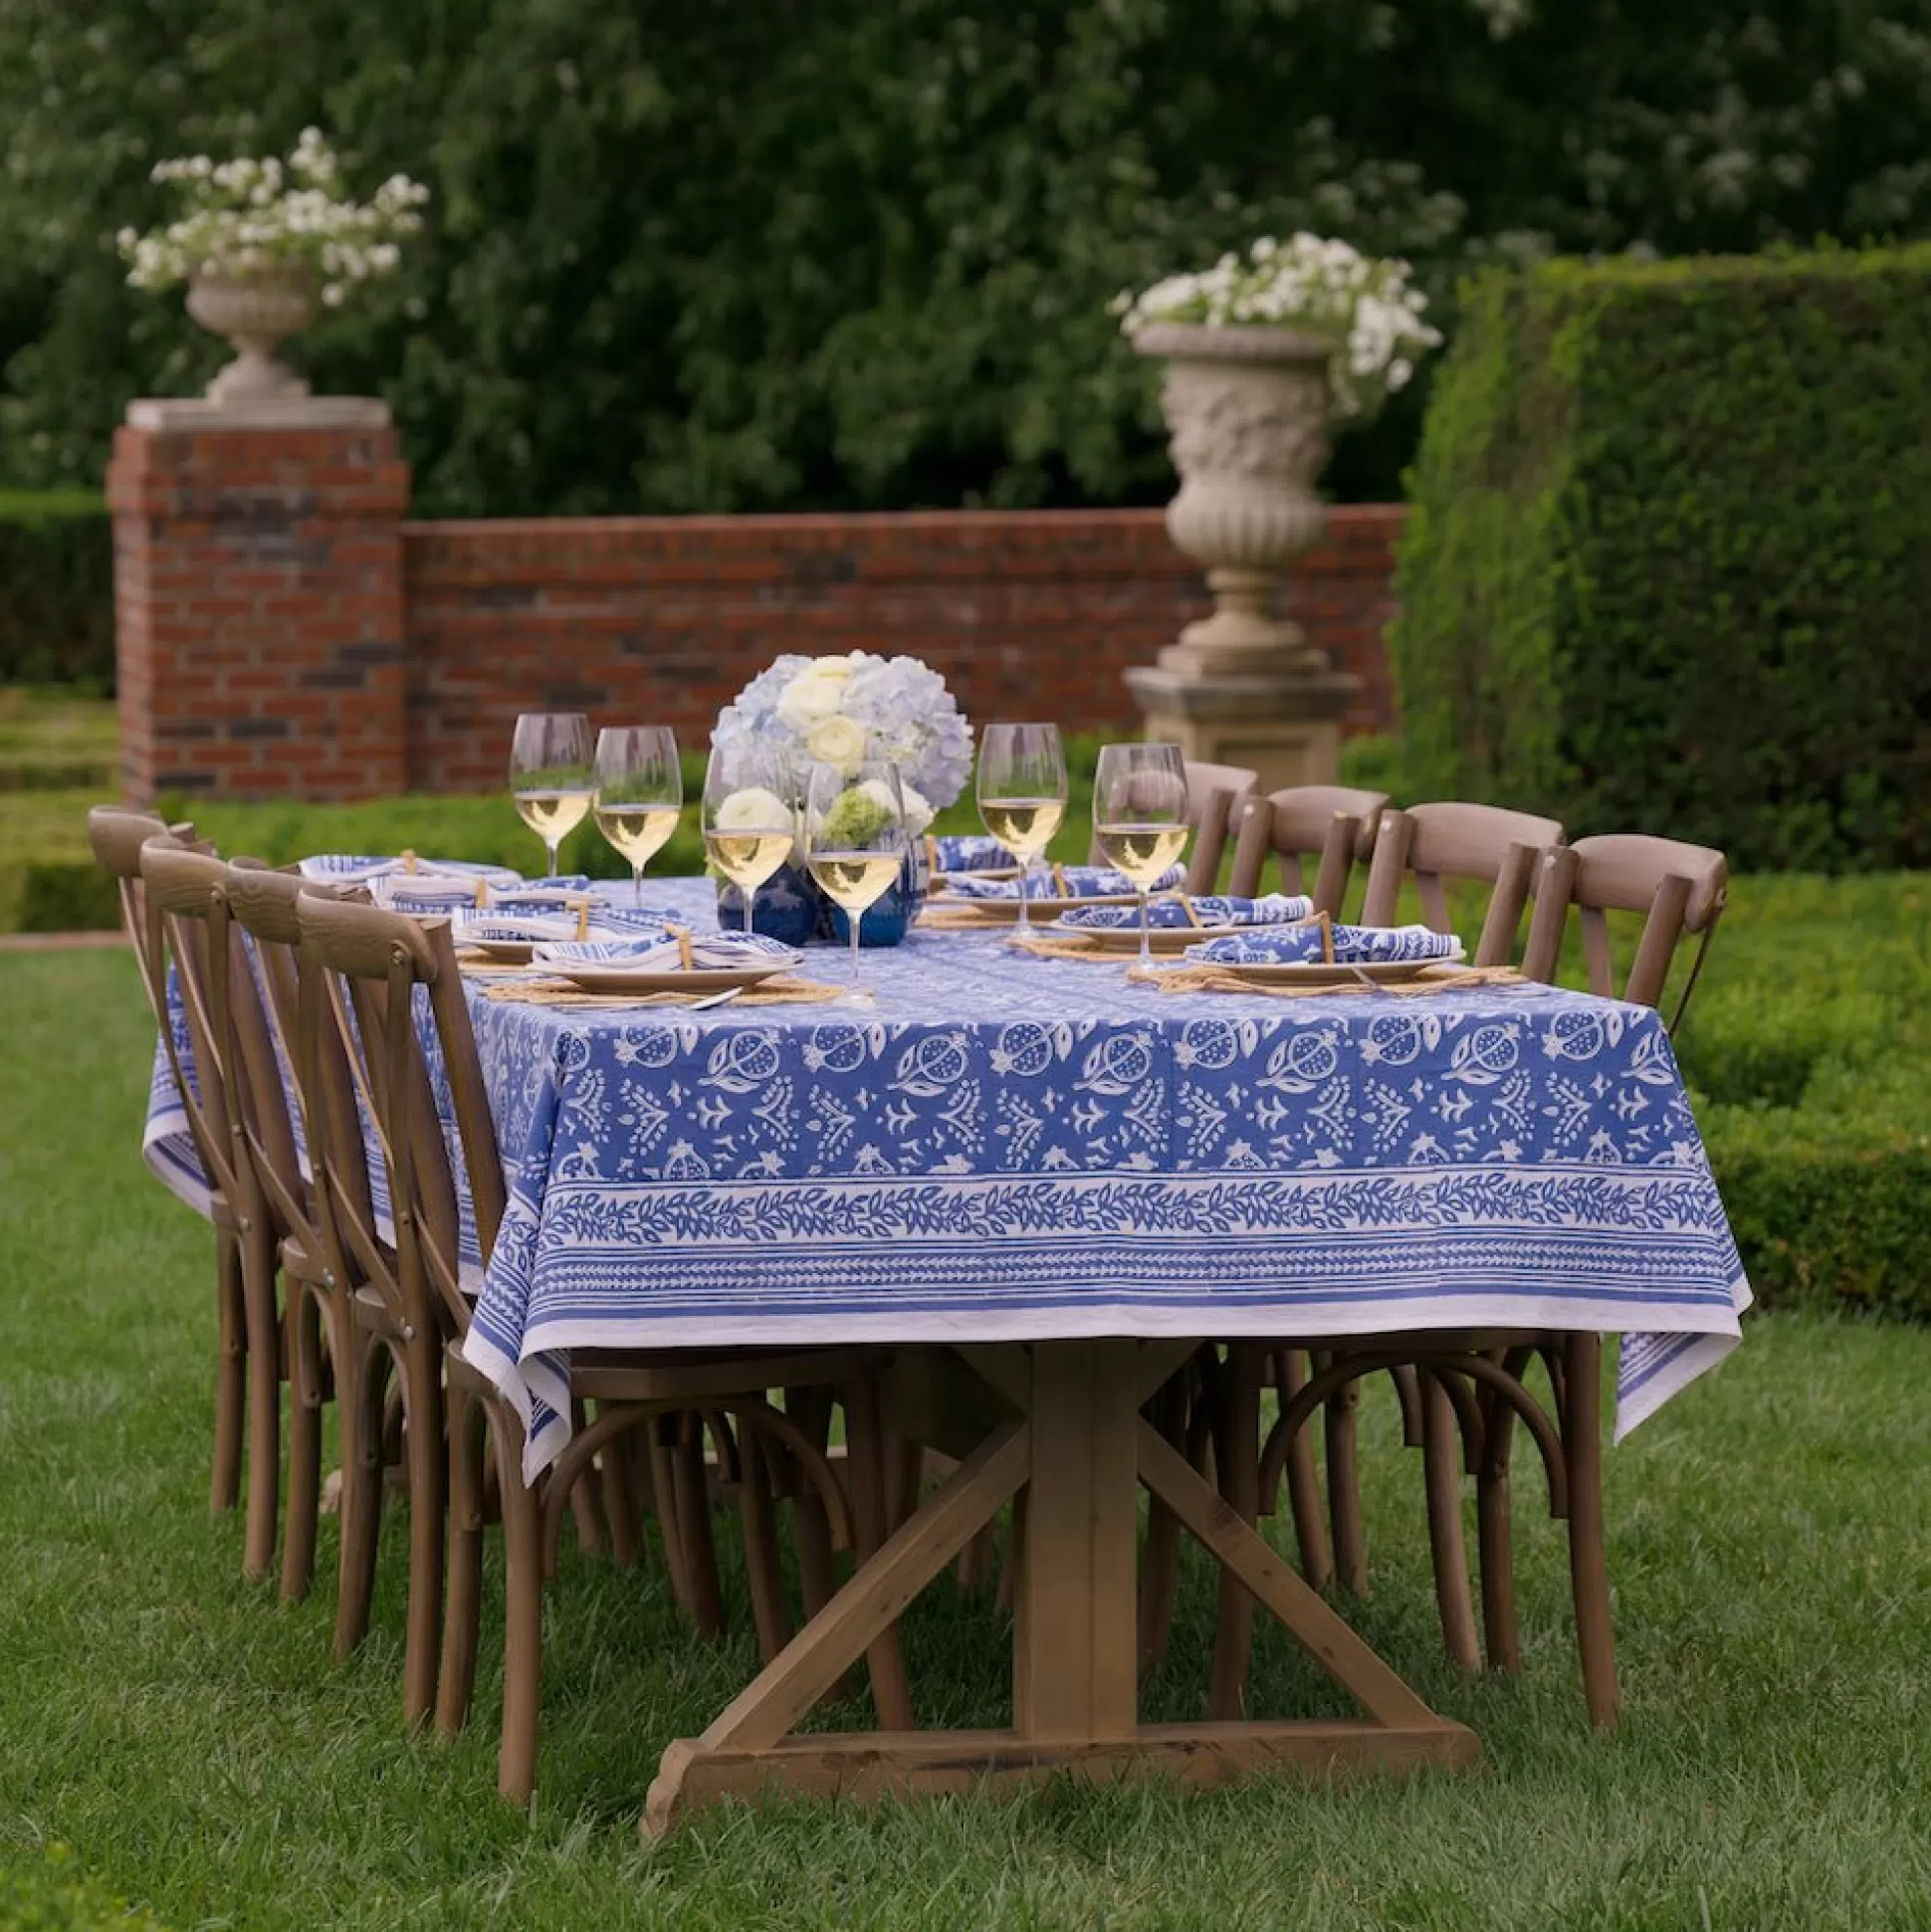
1206,979
965,916
559,992
1067,945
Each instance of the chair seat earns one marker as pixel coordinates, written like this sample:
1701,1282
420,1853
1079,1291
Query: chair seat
691,1375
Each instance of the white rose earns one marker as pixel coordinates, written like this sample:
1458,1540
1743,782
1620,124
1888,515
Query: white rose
838,740
833,669
752,809
807,701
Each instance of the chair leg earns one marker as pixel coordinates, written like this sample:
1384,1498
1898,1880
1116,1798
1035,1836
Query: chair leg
361,1419
1303,1486
810,1521
463,1597
1160,1567
1237,1451
231,1372
1582,1414
522,1617
660,1438
758,1511
1441,1470
428,1460
620,1511
865,1440
587,1501
1495,1542
1341,1435
305,1444
264,1328
694,1525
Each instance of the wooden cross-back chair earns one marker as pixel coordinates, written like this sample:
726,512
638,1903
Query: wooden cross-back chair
1681,889
1332,825
373,963
191,937
318,1271
116,836
1437,845
1216,798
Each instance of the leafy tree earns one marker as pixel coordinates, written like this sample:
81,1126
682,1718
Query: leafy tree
857,252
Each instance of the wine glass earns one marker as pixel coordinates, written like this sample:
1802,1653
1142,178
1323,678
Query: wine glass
750,820
1022,793
549,774
1140,815
639,793
854,840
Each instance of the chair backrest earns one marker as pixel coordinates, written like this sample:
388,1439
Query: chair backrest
373,961
1681,888
1217,797
1485,845
189,936
1332,824
262,903
116,836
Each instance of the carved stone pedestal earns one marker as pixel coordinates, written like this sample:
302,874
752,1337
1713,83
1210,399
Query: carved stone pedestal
1286,728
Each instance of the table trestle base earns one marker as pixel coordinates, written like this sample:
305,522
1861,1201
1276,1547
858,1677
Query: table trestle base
1072,1456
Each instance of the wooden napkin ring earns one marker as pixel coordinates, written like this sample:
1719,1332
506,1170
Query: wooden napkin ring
1326,923
1186,906
481,892
409,861
682,933
583,919
1059,882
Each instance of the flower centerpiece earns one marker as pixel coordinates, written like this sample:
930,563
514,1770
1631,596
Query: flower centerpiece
841,712
1263,352
263,245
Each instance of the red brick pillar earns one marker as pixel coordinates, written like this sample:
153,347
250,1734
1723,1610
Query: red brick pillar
258,600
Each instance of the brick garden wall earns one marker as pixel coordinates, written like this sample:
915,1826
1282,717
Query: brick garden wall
1025,613
284,631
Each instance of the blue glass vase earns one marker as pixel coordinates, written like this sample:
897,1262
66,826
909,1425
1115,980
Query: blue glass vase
789,908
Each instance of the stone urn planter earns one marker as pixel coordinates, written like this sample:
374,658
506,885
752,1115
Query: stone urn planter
256,310
1247,411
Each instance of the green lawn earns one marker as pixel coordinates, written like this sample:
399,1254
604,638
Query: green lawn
190,1740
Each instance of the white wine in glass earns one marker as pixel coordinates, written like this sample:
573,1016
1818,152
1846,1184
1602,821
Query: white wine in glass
1140,815
639,793
549,774
1022,793
750,820
854,841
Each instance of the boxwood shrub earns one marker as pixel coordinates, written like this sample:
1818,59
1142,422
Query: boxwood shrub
57,623
1668,565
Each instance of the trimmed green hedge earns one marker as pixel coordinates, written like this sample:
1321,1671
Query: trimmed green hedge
57,619
1669,557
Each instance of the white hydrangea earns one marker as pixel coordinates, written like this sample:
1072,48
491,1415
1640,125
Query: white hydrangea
1311,283
246,216
850,708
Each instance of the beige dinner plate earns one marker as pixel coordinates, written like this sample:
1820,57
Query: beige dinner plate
623,978
502,952
1316,972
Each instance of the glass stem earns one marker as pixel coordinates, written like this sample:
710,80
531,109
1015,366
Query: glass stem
746,894
1025,902
1145,946
852,919
637,886
549,846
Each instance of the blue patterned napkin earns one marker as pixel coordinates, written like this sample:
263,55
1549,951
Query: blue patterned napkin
355,869
967,852
1209,909
709,950
1352,945
1079,882
606,923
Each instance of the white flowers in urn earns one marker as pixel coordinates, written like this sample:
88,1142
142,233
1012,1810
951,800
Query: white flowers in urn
1261,353
1322,286
261,242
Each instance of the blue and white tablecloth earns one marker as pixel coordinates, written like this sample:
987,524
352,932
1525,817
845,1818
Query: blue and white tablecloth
1015,1148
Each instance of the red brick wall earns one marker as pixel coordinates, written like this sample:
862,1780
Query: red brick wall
283,631
258,591
665,618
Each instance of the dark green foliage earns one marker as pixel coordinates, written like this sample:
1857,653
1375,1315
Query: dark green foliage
48,1893
55,589
1669,563
763,256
